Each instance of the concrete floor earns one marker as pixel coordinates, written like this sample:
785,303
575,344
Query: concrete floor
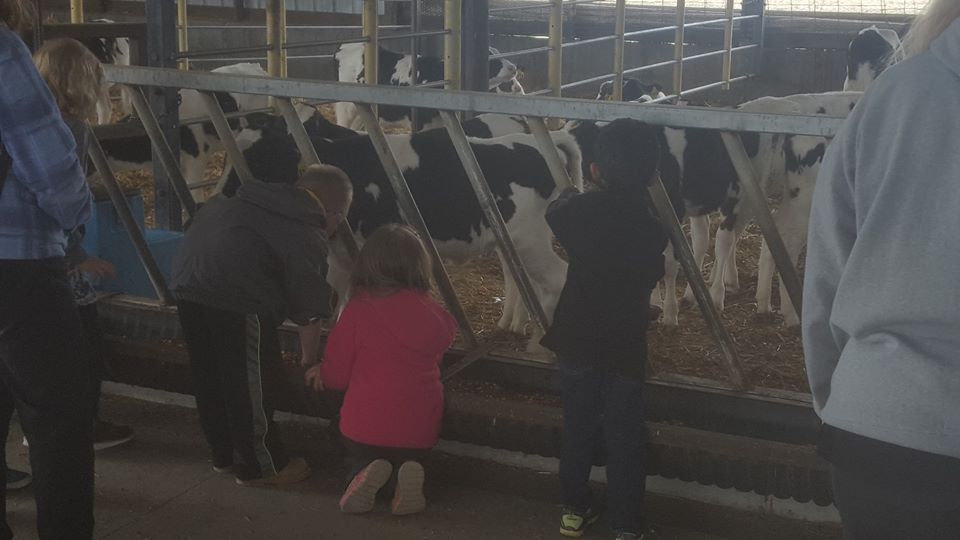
162,486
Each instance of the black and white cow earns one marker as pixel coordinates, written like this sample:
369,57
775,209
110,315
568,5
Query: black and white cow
633,90
513,165
868,55
396,69
198,142
115,51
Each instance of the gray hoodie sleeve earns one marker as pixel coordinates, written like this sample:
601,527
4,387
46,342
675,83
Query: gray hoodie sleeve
833,231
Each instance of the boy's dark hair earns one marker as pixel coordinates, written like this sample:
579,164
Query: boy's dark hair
627,152
393,258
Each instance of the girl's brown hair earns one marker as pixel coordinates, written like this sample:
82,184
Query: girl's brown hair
74,75
393,258
16,14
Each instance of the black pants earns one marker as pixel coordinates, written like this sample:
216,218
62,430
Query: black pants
885,491
93,337
360,455
603,409
236,362
46,375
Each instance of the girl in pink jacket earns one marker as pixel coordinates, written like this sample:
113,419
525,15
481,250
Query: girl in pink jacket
385,352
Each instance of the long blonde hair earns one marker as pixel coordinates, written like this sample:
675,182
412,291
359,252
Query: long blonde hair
927,26
74,75
392,259
16,14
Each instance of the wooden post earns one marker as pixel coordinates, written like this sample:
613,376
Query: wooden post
555,42
452,23
76,11
728,46
183,36
274,15
678,49
371,50
619,29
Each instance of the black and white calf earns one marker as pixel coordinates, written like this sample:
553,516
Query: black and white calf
633,90
198,142
868,55
513,166
397,70
115,51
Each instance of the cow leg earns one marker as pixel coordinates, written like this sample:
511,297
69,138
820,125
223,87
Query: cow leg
796,217
346,113
515,314
725,249
731,277
765,269
671,268
700,240
547,271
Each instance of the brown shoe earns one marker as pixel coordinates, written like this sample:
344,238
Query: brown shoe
296,470
409,498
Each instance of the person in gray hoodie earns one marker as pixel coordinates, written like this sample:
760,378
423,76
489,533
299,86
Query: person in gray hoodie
881,307
247,263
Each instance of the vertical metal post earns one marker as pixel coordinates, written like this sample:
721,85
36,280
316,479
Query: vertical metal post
411,214
76,11
95,151
494,219
475,37
753,30
283,38
169,160
183,36
415,58
728,46
678,48
618,52
309,153
222,126
452,17
678,241
761,212
555,42
371,51
274,37
161,47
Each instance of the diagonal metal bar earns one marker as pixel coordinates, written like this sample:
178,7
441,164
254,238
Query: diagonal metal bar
538,127
411,214
761,212
492,213
168,160
465,362
95,151
678,242
309,153
222,126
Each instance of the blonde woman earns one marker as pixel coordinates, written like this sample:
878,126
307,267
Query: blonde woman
881,315
75,78
42,194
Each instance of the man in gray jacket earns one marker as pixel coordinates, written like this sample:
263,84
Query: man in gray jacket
881,317
246,264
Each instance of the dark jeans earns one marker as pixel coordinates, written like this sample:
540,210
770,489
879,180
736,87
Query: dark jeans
603,409
885,491
46,376
360,455
237,376
94,342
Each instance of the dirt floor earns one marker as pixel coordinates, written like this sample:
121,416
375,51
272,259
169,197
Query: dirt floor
770,353
161,486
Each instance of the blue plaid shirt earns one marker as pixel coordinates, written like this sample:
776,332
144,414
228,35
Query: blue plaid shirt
45,192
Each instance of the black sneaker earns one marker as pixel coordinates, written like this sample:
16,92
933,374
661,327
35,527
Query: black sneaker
17,479
107,435
573,523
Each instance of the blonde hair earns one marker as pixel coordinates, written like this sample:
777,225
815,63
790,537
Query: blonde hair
392,259
331,185
16,14
927,26
74,75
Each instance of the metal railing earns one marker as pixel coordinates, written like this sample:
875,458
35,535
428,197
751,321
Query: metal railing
537,110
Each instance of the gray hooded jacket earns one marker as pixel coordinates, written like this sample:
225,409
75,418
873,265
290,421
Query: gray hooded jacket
881,308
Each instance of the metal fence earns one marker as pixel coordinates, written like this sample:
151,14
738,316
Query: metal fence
536,109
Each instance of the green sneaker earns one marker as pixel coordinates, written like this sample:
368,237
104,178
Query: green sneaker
573,523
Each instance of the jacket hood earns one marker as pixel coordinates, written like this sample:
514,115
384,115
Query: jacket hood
415,320
946,48
283,200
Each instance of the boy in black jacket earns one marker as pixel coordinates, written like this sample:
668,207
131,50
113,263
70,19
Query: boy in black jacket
615,248
246,264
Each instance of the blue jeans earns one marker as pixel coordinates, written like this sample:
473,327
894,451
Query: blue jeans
603,409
